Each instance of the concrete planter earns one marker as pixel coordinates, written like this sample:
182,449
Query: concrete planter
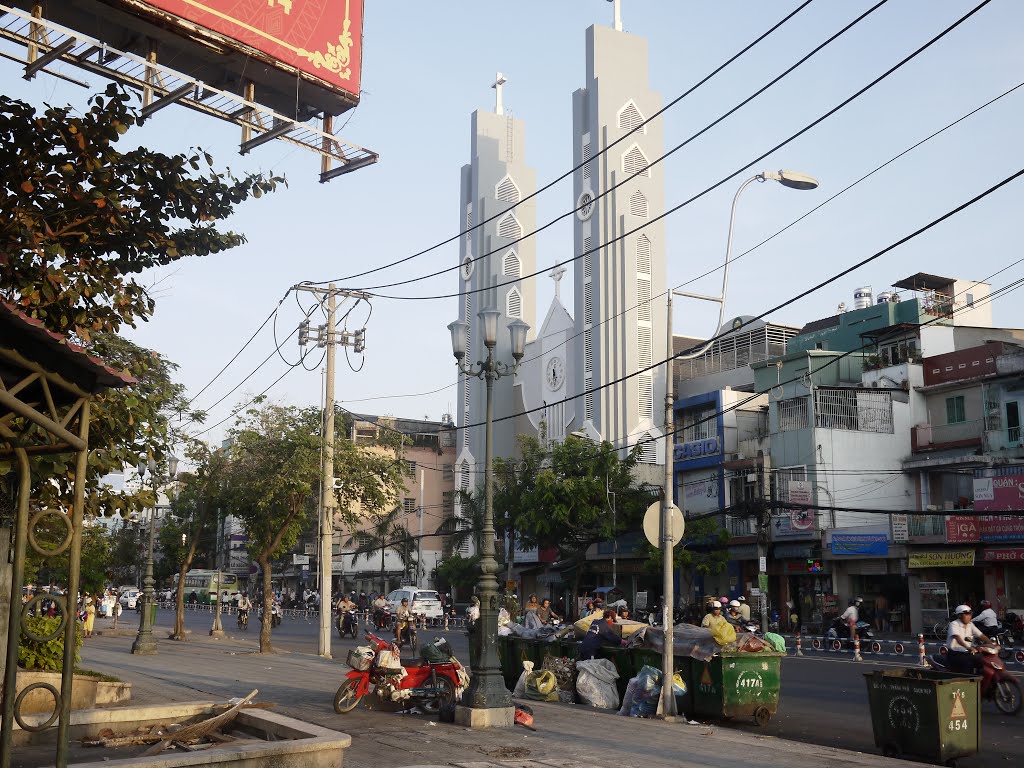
86,693
289,742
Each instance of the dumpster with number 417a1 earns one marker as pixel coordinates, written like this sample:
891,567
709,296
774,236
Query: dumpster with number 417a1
924,713
737,684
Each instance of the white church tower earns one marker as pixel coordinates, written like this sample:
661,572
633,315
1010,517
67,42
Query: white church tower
492,184
621,329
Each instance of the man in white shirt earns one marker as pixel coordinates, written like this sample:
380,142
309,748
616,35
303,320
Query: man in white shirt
987,621
744,609
960,642
851,615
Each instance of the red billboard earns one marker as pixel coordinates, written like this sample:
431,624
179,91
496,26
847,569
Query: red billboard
321,38
961,529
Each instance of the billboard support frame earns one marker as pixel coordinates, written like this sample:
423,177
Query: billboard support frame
42,38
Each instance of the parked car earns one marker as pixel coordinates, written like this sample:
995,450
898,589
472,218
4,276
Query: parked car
130,598
422,602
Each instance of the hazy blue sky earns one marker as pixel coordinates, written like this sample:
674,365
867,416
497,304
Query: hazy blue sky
427,66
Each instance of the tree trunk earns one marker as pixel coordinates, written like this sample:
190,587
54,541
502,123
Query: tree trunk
268,603
179,601
577,574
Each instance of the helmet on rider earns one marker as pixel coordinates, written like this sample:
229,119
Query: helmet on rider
734,603
962,609
742,599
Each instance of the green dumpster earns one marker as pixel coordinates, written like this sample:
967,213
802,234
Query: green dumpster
510,666
924,713
645,657
736,684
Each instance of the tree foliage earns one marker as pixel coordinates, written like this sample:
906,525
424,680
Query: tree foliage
460,572
704,550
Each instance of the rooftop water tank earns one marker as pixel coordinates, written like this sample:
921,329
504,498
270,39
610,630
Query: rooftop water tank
862,297
886,297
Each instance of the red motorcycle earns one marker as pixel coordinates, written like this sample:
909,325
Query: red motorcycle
434,686
997,684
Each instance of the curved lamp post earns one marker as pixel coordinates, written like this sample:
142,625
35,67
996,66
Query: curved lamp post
144,643
487,687
793,180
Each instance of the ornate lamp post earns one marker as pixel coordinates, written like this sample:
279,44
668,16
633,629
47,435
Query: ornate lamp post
144,643
487,702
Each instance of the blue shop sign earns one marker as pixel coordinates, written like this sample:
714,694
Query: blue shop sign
860,544
695,449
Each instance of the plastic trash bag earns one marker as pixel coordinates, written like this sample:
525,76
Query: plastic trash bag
627,699
542,686
596,683
778,642
520,689
724,633
647,695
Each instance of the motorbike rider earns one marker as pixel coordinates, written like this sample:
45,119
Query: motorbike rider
987,621
734,615
380,604
244,606
545,613
345,605
714,617
960,637
744,608
405,618
851,615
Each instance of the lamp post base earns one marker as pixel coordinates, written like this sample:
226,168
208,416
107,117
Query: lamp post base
490,717
144,647
217,633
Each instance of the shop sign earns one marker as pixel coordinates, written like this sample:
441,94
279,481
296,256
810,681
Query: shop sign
696,449
876,544
793,551
900,528
1004,555
1000,491
961,529
956,558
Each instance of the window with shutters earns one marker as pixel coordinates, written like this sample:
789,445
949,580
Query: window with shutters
588,257
588,152
506,191
508,226
634,162
510,264
645,346
588,304
408,505
638,204
514,304
643,300
648,449
588,351
630,118
643,255
645,387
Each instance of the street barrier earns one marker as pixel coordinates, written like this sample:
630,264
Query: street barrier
803,647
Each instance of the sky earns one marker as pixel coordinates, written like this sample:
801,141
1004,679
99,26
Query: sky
427,66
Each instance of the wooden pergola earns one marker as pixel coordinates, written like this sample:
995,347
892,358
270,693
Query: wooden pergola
46,386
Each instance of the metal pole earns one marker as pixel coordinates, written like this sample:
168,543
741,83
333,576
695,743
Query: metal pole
327,519
419,539
668,699
217,630
144,643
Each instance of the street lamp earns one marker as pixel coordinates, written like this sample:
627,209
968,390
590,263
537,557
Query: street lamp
144,643
487,688
793,180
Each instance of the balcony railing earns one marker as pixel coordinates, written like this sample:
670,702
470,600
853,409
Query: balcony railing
741,526
930,525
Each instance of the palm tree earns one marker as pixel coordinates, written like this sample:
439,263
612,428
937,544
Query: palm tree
385,533
464,528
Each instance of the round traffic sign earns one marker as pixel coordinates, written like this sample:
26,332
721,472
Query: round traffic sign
652,524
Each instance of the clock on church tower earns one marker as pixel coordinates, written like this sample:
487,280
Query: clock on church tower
554,373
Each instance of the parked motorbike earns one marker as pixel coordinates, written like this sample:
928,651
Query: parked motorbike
997,684
275,616
348,623
432,686
840,630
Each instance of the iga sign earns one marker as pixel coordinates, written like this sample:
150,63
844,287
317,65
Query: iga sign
961,529
320,38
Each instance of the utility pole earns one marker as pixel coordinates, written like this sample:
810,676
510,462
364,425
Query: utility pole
329,337
668,698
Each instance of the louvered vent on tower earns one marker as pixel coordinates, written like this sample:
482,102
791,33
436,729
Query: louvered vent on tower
506,191
643,300
469,221
645,387
645,346
630,118
588,305
588,257
588,352
648,450
588,152
585,206
638,204
508,226
510,264
634,162
514,304
643,255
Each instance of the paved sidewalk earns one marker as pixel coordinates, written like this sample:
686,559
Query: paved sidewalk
303,685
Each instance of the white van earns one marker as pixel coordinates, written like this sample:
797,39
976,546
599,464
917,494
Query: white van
422,602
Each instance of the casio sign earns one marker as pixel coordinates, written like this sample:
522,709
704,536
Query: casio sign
697,448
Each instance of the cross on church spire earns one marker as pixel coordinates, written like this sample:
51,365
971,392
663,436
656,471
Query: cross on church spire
556,274
499,80
617,19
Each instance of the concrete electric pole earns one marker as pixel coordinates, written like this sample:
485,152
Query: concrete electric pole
329,338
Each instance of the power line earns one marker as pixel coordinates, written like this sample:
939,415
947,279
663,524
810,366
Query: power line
575,168
717,184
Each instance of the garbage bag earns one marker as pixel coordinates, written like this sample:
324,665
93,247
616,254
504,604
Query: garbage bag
778,642
542,686
688,640
627,699
724,634
647,693
750,643
520,689
596,683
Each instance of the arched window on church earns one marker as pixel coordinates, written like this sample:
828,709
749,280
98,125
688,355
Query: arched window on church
509,227
511,265
630,118
634,162
638,204
514,304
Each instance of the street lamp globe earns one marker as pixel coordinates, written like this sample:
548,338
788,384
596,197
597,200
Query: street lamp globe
792,179
460,338
172,466
517,330
489,321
